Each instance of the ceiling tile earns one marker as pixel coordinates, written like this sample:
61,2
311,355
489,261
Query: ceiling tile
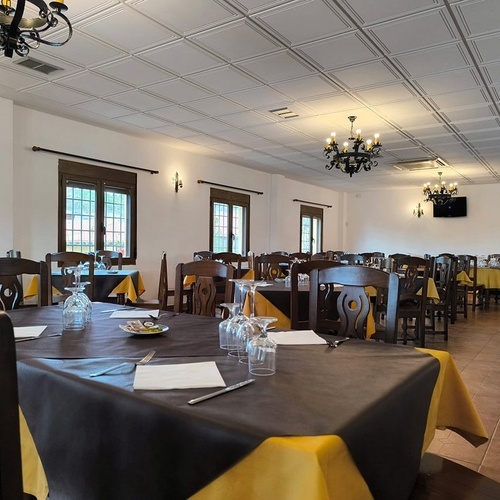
308,86
177,114
114,28
215,106
178,90
143,121
59,94
16,80
176,131
237,41
134,72
93,84
480,21
208,125
245,119
223,80
386,94
462,79
259,98
365,75
487,48
300,22
104,108
456,100
141,101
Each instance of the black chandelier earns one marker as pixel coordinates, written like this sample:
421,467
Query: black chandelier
440,194
355,154
19,35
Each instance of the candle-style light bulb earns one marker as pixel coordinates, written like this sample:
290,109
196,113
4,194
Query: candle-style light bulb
358,134
376,137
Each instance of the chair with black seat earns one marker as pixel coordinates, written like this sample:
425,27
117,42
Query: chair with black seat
443,273
298,312
11,289
271,266
210,288
66,260
110,258
352,259
11,479
351,302
203,255
414,273
232,259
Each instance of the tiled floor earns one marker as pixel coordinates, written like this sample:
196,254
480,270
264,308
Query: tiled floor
474,344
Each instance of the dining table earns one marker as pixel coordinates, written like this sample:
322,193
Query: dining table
349,422
113,282
490,278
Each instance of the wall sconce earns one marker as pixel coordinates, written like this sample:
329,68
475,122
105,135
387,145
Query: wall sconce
177,182
418,211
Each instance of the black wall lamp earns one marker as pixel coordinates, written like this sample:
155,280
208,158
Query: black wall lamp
177,182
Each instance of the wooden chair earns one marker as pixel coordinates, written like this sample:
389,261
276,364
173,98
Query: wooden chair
443,273
477,290
352,259
203,255
231,259
163,292
11,479
71,259
270,266
352,304
397,256
303,256
296,321
110,258
210,288
319,256
414,272
11,289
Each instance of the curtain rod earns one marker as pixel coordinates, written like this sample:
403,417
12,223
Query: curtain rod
230,187
313,203
37,148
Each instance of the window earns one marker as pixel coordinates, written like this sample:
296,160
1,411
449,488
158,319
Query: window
229,221
311,229
97,210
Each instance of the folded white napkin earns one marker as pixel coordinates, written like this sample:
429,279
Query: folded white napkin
136,313
296,337
21,332
181,376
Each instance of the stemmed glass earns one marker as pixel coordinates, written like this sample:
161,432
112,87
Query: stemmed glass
235,322
261,349
224,341
80,289
74,310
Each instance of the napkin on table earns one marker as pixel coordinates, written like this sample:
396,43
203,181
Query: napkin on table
180,376
296,337
136,313
21,332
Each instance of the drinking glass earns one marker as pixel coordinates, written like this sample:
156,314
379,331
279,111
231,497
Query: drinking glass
74,310
262,350
223,327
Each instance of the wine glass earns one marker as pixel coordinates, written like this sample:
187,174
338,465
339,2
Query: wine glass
262,349
223,327
74,310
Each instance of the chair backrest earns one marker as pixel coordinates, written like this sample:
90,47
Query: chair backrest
299,318
270,266
303,256
319,256
163,283
281,252
352,259
232,259
443,273
397,256
110,258
11,289
204,300
71,259
350,302
11,481
203,255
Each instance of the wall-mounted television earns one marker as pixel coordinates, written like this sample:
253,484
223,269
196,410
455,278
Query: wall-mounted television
456,207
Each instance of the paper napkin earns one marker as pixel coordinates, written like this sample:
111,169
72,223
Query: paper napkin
21,332
296,337
181,376
136,313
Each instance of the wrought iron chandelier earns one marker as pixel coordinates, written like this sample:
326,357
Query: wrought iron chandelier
19,35
355,155
440,194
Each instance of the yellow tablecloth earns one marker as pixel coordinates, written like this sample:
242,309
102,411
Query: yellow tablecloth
463,279
125,286
34,479
321,467
488,276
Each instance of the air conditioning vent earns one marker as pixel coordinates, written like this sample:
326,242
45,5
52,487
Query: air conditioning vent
422,164
41,67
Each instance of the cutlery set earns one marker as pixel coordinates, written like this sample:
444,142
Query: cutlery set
143,361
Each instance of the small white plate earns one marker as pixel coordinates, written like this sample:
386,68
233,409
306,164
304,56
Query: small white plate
156,330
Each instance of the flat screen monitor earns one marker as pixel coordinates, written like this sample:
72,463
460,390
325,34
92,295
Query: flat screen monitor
456,207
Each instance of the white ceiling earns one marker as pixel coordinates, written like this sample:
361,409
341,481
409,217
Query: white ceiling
204,74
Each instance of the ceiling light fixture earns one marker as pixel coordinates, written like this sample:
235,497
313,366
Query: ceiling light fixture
355,154
439,194
19,35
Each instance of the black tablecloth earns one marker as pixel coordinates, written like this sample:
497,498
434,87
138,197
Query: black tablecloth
100,439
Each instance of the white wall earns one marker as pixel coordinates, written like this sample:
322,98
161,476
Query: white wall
384,221
175,222
6,177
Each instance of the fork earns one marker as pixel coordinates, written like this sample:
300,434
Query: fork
333,344
143,361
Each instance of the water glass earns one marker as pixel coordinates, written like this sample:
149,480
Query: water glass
74,311
262,350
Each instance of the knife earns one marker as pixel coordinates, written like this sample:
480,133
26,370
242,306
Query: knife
222,391
24,339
